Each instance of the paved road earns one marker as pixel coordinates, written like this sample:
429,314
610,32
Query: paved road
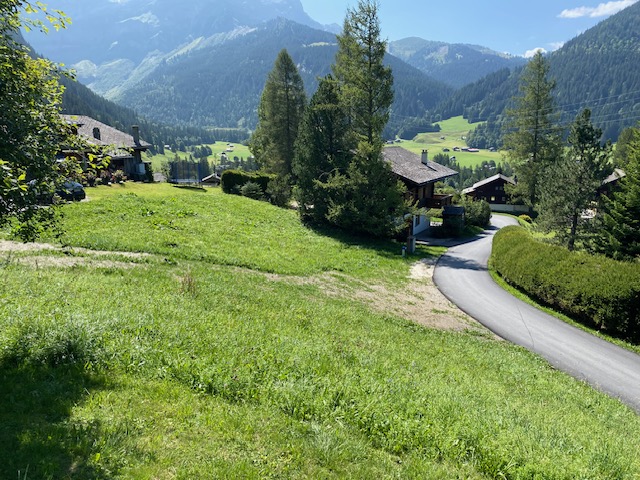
461,274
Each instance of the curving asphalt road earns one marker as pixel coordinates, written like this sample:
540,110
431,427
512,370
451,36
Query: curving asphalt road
461,275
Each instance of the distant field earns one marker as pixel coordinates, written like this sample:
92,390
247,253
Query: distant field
454,131
203,335
238,150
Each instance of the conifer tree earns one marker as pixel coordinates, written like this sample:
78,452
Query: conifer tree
279,114
533,140
570,185
620,232
366,197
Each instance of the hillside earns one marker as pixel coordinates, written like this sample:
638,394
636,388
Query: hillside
456,65
205,335
598,69
219,81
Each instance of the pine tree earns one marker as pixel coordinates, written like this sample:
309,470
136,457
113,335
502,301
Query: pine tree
533,140
323,150
366,197
570,185
620,232
279,115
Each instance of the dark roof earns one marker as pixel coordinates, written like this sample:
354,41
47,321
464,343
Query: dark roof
108,135
487,181
408,166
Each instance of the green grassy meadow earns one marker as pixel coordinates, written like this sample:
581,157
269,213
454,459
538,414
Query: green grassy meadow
453,130
201,335
238,150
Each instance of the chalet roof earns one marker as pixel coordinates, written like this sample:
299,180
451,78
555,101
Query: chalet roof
487,181
409,166
614,177
108,135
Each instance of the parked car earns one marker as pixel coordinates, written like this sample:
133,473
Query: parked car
71,190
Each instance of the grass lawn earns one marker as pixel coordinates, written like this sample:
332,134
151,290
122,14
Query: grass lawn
454,131
211,336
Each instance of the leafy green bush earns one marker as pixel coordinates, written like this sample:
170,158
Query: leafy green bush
526,218
232,181
252,190
477,213
594,290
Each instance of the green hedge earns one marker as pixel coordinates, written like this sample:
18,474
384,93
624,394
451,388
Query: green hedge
593,290
232,181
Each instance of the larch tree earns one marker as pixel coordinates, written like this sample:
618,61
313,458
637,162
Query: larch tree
534,140
569,186
368,198
279,115
31,128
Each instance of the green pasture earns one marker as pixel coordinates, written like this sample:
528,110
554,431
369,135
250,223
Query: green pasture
453,134
202,335
237,150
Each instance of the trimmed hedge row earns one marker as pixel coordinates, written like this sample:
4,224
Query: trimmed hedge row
232,181
593,290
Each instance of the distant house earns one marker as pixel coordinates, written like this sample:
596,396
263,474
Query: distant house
419,175
609,183
492,190
127,148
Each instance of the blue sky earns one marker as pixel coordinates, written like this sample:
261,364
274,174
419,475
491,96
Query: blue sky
514,26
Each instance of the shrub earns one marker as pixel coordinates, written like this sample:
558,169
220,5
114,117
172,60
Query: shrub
118,176
279,191
525,218
477,213
592,289
232,181
252,190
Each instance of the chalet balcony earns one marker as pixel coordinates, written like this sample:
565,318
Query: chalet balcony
437,201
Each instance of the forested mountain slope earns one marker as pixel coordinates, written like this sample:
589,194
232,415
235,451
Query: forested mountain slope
599,69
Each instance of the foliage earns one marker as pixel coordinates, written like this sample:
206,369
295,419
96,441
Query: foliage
570,185
323,150
31,129
533,141
594,290
279,191
476,212
619,220
232,181
252,190
279,114
365,197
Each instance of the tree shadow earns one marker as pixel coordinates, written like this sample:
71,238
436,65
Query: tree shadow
448,261
37,437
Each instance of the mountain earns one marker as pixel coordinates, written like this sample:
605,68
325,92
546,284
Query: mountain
218,80
456,65
599,69
127,32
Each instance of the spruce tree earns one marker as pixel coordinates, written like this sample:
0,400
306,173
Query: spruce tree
533,140
620,232
323,150
279,114
570,185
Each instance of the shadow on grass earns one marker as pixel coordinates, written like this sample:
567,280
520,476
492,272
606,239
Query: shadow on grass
37,437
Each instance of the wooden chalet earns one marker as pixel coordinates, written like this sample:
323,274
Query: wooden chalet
490,189
419,175
127,148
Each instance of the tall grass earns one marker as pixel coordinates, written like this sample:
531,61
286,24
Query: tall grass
183,367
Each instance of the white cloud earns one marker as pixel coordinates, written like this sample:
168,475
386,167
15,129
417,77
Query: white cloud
602,10
531,53
556,46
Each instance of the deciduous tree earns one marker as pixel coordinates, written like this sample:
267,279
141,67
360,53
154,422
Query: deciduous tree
31,129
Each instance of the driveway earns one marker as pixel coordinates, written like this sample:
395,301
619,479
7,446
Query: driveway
461,275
